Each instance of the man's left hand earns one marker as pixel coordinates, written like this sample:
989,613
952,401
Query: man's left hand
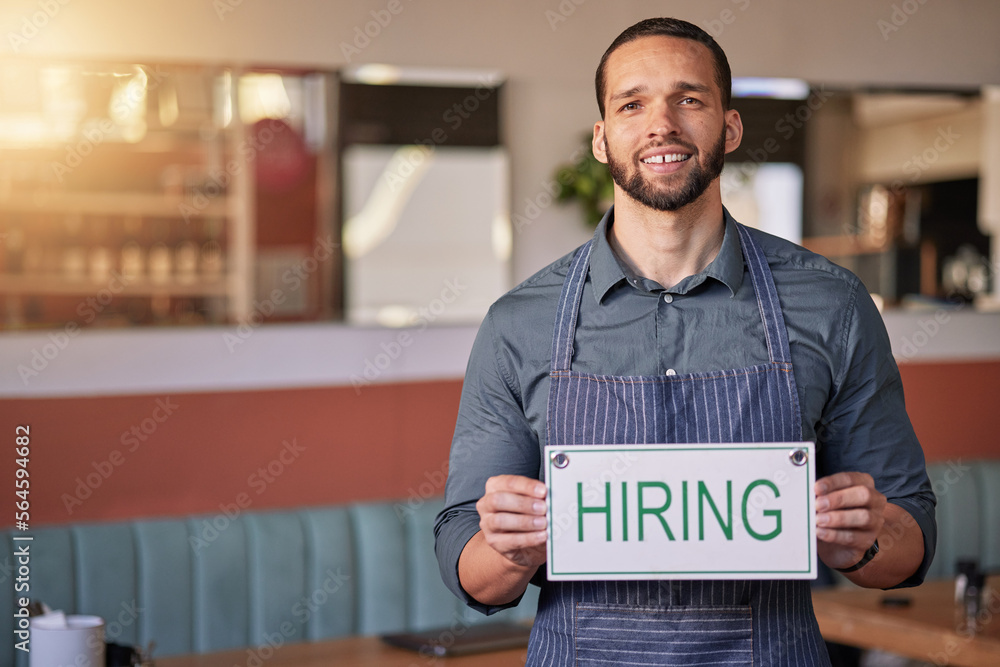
850,514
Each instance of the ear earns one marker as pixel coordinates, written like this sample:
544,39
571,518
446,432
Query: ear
599,144
734,130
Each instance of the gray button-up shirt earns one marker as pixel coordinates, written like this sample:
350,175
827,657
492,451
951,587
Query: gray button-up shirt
849,387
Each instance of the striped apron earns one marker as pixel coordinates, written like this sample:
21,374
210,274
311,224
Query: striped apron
675,622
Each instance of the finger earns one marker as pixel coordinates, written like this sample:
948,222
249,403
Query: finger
516,484
508,542
858,519
842,480
503,501
859,539
503,522
855,496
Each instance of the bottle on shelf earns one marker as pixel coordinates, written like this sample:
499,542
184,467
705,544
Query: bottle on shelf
99,257
212,258
133,262
161,256
186,258
74,255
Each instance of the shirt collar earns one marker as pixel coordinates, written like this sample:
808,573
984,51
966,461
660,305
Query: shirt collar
607,272
728,266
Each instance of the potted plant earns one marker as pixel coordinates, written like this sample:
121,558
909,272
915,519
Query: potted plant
586,181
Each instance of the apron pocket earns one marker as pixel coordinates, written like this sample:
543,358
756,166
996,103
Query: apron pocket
606,634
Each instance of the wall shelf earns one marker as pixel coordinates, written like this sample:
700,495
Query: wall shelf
128,206
117,204
63,286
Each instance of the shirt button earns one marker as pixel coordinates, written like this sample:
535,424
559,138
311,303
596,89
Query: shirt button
671,371
669,298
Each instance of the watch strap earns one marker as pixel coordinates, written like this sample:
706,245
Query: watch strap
872,550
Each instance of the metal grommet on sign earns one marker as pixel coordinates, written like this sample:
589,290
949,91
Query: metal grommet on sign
560,460
798,457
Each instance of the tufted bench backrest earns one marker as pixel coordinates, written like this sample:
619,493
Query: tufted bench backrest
968,514
209,583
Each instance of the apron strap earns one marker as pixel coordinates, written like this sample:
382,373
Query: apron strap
569,309
767,299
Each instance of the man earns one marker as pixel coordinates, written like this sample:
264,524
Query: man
623,341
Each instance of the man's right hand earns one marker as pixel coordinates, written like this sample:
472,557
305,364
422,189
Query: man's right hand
512,519
499,561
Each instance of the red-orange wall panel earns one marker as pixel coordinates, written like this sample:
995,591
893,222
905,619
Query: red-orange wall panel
87,464
955,408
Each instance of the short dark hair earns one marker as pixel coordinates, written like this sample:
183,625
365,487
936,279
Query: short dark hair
668,27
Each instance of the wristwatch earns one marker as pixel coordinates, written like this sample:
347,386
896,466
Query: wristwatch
872,550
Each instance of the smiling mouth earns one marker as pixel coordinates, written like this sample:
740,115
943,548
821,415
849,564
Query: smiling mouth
661,159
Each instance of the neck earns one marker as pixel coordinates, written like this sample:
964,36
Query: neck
668,246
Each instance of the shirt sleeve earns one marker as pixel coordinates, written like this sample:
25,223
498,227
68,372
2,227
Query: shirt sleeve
492,437
865,426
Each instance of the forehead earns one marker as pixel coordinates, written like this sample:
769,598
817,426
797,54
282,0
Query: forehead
659,61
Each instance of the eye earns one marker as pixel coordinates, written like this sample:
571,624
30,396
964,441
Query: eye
631,106
690,101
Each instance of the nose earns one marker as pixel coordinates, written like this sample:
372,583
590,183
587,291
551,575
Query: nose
663,121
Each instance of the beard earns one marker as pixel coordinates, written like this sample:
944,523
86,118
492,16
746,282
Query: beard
699,177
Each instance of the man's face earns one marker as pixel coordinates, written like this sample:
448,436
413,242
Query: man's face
665,132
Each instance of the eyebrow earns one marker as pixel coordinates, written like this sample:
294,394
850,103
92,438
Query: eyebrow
694,87
681,85
635,90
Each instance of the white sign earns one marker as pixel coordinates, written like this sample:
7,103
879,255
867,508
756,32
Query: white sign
693,511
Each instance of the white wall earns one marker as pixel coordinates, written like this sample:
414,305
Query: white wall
947,147
548,48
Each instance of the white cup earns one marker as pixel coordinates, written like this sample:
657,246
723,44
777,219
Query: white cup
66,641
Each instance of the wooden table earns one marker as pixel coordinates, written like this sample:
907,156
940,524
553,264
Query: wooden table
352,652
929,629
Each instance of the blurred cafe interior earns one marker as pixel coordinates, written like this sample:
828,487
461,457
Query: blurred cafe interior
245,248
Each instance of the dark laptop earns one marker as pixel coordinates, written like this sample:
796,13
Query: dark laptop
462,640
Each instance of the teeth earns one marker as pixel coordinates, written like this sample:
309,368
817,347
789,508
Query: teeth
660,159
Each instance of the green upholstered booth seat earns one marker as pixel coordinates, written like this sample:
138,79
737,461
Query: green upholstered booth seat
209,583
968,514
